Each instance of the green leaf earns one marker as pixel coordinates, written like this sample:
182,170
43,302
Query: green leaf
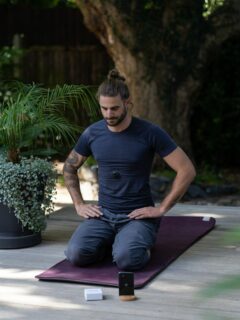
36,115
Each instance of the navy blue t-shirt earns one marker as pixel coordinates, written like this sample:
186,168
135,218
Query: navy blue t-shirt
124,161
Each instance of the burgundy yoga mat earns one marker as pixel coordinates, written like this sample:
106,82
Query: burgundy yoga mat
176,234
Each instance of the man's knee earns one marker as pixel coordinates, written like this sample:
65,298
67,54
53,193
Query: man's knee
135,259
80,256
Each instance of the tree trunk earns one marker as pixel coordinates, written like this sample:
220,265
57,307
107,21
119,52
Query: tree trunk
160,50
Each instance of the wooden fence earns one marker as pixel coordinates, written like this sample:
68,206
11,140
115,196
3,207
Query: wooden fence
73,65
58,47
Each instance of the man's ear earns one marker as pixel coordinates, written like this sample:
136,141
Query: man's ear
129,104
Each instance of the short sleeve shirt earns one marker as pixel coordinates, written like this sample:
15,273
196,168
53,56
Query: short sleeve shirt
124,161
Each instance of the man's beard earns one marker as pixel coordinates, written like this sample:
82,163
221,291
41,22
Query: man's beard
113,122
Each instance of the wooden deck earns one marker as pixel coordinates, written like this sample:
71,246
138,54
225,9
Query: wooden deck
173,294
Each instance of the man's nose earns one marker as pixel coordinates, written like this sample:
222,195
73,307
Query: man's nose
109,113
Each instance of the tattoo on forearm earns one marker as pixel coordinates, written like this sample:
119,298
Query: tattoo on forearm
72,163
72,159
72,184
69,169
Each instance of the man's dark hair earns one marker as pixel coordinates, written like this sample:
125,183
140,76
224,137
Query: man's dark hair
114,85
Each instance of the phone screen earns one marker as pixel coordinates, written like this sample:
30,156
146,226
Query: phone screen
126,283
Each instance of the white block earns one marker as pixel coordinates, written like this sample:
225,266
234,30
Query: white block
206,218
93,294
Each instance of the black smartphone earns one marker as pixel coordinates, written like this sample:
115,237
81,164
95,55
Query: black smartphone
126,283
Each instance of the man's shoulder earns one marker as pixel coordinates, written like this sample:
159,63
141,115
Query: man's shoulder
146,124
151,131
96,126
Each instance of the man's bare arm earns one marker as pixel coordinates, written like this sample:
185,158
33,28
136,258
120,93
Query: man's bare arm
71,166
185,173
185,170
70,169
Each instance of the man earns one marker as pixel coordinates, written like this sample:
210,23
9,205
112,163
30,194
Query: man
125,217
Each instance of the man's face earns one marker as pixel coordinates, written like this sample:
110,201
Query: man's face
113,109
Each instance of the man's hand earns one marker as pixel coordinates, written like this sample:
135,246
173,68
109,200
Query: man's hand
88,211
146,212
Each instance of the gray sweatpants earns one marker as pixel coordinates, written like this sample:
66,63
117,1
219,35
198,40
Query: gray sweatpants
131,240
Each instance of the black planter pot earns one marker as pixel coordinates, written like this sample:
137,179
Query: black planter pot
12,233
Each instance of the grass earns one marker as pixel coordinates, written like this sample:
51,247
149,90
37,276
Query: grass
60,180
208,176
205,176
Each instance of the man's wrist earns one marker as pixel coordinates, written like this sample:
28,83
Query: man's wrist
162,210
78,204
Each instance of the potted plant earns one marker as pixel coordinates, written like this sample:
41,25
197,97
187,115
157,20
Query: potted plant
32,124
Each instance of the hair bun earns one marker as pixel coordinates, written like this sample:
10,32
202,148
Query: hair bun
114,74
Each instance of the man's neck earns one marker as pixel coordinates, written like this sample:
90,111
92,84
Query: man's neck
121,126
